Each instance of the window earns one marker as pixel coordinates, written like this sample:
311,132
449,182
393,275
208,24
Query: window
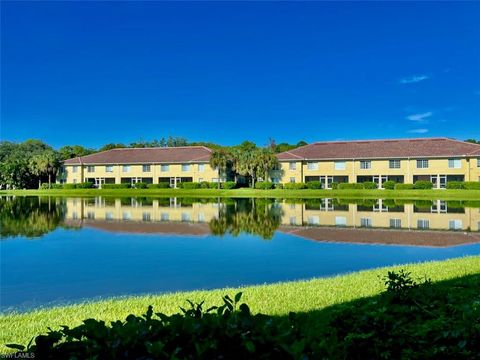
146,216
339,165
201,217
478,162
108,215
366,222
146,168
422,164
185,216
90,168
74,181
109,168
74,168
164,217
423,224
394,164
201,167
200,180
455,224
91,215
395,223
293,220
312,165
185,167
126,168
292,180
454,163
340,221
292,166
365,164
313,220
164,168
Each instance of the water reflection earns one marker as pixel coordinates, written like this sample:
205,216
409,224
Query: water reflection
347,219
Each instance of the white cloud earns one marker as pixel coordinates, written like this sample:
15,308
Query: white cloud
413,79
420,117
418,131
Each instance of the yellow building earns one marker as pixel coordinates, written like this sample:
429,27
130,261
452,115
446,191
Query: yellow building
171,165
438,160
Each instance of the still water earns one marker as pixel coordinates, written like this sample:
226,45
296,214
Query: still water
62,250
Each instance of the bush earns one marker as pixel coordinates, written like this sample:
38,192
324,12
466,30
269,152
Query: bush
334,185
345,186
44,186
213,185
204,185
389,185
314,185
140,185
423,185
84,185
69,186
404,186
455,185
116,186
190,185
228,185
162,185
278,186
370,185
295,186
264,185
472,185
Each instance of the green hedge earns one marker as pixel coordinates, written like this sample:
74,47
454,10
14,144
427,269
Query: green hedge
140,185
229,185
314,185
472,185
389,185
370,185
334,185
423,185
349,186
189,185
45,186
116,186
264,185
162,185
465,185
295,186
404,186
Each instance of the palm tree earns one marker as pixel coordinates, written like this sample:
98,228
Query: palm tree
267,161
219,160
46,163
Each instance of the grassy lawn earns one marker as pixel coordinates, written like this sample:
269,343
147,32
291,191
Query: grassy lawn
275,299
246,192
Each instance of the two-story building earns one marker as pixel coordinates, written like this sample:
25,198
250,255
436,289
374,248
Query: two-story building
171,165
438,160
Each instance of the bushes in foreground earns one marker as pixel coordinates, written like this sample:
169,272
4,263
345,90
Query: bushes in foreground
412,319
116,186
464,185
264,185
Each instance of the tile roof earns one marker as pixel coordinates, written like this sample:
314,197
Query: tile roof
146,155
375,149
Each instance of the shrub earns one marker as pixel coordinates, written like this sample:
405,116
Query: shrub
204,185
278,186
140,185
344,186
334,185
69,186
389,185
314,185
455,185
190,185
472,185
423,185
228,185
264,185
162,185
404,186
295,186
85,185
213,185
116,186
44,186
370,185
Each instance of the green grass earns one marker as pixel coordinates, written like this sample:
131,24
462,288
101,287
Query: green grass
275,299
247,192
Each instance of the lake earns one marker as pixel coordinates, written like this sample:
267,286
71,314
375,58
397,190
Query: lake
62,250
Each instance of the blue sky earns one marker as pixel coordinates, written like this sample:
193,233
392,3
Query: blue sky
96,72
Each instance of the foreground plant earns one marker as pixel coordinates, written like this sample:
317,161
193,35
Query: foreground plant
411,320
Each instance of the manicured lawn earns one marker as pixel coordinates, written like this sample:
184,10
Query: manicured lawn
275,299
246,192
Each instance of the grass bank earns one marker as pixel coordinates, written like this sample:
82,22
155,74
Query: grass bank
247,192
275,299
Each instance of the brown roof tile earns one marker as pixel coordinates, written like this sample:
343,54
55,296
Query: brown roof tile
374,149
146,155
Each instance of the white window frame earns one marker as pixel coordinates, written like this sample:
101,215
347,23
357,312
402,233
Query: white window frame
90,168
395,223
292,180
312,165
423,224
365,164
394,164
146,166
340,221
74,168
340,165
185,167
455,224
366,222
146,216
292,166
454,163
164,168
422,164
201,167
126,168
109,168
478,162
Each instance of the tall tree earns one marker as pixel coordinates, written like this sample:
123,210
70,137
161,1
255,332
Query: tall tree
219,160
45,164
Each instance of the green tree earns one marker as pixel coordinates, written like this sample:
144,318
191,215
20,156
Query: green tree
45,164
72,151
219,160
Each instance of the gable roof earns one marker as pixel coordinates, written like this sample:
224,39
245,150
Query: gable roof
375,149
145,156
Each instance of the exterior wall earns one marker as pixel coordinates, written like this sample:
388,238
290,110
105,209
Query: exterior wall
136,171
408,169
